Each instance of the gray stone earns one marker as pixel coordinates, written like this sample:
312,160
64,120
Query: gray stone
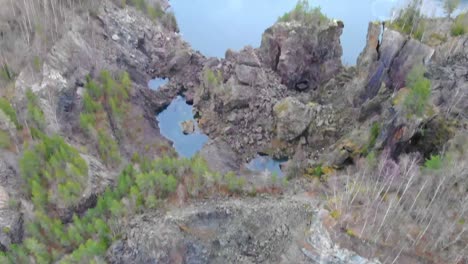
249,75
413,53
188,127
249,230
303,53
11,220
237,96
246,56
220,157
292,118
370,52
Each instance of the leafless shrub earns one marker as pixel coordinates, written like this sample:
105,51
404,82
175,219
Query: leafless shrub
408,207
33,26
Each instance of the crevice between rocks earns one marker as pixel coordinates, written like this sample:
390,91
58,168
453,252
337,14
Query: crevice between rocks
277,59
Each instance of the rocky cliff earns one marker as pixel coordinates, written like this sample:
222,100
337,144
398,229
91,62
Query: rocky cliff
290,98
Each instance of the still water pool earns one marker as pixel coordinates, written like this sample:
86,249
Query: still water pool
154,84
170,126
266,163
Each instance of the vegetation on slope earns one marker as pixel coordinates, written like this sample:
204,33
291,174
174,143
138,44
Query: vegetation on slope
410,20
54,172
53,165
55,177
153,11
406,207
416,101
34,26
460,25
8,109
450,6
105,102
304,13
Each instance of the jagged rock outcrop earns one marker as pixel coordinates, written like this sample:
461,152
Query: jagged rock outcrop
401,131
115,39
371,51
304,56
239,109
392,64
239,113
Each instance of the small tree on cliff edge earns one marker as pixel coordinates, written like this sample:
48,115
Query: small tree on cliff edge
450,6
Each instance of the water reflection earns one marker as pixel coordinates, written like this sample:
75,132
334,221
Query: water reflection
170,126
154,84
266,163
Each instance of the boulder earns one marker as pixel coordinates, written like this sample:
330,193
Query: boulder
188,127
99,178
237,96
293,118
220,157
178,60
249,75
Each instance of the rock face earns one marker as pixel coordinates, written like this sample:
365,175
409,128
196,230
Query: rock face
410,55
239,108
381,80
303,56
324,250
293,118
449,76
125,40
236,231
396,56
11,220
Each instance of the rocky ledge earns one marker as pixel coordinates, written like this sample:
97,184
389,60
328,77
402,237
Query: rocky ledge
255,230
